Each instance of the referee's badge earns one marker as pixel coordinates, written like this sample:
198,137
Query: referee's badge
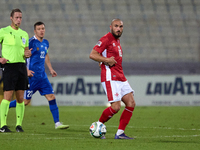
24,41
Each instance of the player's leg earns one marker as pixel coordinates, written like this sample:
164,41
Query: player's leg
126,114
55,111
13,103
47,90
128,99
20,108
21,86
27,100
110,111
111,89
4,110
9,81
53,106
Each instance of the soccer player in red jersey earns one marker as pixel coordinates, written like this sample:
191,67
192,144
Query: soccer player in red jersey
108,53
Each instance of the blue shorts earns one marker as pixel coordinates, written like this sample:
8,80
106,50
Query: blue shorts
42,85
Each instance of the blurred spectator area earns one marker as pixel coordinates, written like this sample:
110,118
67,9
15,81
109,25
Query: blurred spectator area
160,36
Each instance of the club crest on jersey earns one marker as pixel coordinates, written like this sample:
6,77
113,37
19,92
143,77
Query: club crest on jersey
24,41
99,43
38,48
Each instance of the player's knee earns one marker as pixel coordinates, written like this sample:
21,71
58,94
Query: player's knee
50,97
116,106
131,103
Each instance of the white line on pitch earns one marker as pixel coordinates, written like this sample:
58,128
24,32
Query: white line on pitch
178,136
167,128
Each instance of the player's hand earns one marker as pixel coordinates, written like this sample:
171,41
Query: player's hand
100,65
110,61
27,52
30,73
53,73
3,60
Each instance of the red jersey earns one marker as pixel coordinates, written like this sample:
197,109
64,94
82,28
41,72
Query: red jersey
109,46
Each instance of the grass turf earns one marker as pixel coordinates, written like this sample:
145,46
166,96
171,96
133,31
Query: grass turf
154,128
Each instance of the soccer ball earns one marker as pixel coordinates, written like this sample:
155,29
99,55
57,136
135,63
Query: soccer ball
97,129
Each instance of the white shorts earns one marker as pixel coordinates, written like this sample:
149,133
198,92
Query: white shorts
115,90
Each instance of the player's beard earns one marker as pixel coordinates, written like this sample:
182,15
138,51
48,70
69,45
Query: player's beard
118,35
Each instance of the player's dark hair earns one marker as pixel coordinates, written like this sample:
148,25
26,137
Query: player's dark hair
15,10
38,24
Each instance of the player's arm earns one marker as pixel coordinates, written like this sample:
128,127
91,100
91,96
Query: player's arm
30,72
97,57
48,63
2,60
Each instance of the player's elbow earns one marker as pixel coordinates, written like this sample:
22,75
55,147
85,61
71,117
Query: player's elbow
94,55
91,56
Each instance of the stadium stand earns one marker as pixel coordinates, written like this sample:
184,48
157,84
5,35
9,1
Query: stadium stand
159,35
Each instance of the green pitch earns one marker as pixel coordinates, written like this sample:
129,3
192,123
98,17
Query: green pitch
154,128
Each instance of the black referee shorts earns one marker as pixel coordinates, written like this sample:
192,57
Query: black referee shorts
15,77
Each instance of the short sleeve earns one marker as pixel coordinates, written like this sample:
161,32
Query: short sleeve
27,41
1,35
47,44
30,44
101,45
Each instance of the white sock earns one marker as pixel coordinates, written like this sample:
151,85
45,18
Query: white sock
119,132
57,123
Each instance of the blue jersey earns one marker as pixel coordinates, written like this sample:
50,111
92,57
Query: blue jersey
39,81
37,60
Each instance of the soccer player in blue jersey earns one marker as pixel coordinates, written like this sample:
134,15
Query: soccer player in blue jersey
38,79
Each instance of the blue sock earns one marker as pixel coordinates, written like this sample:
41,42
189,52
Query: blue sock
12,103
54,110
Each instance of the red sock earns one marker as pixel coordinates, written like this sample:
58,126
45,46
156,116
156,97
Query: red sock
107,114
125,117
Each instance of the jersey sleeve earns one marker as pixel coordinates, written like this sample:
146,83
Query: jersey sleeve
1,35
27,40
101,45
47,42
30,44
